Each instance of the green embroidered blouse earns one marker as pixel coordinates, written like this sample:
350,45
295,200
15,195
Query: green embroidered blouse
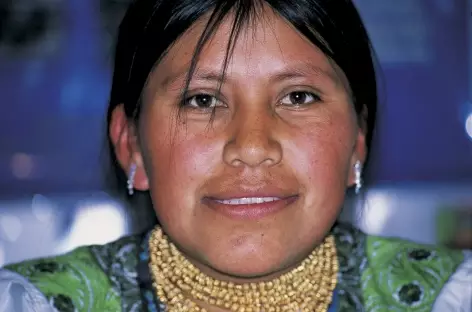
376,274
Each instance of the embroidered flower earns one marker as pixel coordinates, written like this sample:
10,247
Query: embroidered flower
63,303
48,267
410,294
420,254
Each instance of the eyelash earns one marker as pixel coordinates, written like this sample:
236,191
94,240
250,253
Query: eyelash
218,103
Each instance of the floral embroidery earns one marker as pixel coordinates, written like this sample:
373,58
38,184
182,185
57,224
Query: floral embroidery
376,274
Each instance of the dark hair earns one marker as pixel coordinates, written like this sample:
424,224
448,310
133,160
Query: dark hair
150,27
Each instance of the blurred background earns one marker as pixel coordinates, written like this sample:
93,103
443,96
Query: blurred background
55,72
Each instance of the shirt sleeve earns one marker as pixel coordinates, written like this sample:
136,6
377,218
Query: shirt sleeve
17,294
456,295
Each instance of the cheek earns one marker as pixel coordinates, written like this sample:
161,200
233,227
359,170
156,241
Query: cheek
321,154
177,163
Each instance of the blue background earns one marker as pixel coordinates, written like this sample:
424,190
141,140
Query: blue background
54,92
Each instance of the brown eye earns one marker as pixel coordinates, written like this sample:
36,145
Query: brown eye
202,101
299,98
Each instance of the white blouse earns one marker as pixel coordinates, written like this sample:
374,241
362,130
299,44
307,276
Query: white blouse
19,295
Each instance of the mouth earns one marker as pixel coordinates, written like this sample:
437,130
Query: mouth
250,207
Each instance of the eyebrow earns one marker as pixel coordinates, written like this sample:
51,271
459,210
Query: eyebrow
198,74
305,69
299,70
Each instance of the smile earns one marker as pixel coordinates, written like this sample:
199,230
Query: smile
248,200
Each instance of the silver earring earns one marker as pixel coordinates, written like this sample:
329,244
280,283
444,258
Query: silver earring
358,176
130,182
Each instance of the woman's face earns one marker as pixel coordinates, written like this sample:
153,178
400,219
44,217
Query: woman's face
246,182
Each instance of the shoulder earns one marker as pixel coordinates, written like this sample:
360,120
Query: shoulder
76,281
381,273
401,274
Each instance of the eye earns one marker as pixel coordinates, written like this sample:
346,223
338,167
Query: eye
202,101
299,98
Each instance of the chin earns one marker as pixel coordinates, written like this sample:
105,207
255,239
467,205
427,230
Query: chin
245,255
250,271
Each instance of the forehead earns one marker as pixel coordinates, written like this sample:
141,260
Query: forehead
266,42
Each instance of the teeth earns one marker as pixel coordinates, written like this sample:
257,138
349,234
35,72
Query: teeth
248,200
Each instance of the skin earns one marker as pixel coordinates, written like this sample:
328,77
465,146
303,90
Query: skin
258,139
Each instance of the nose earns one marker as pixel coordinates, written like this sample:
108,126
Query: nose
252,142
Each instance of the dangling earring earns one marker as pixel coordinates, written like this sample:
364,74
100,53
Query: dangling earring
130,182
358,176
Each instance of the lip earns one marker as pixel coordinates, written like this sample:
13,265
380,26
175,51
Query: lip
250,211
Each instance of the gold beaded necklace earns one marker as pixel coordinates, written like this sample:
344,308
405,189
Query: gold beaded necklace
179,284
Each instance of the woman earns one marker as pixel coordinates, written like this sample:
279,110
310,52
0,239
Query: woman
246,121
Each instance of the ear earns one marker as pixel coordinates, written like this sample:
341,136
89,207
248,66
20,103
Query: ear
360,147
123,135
